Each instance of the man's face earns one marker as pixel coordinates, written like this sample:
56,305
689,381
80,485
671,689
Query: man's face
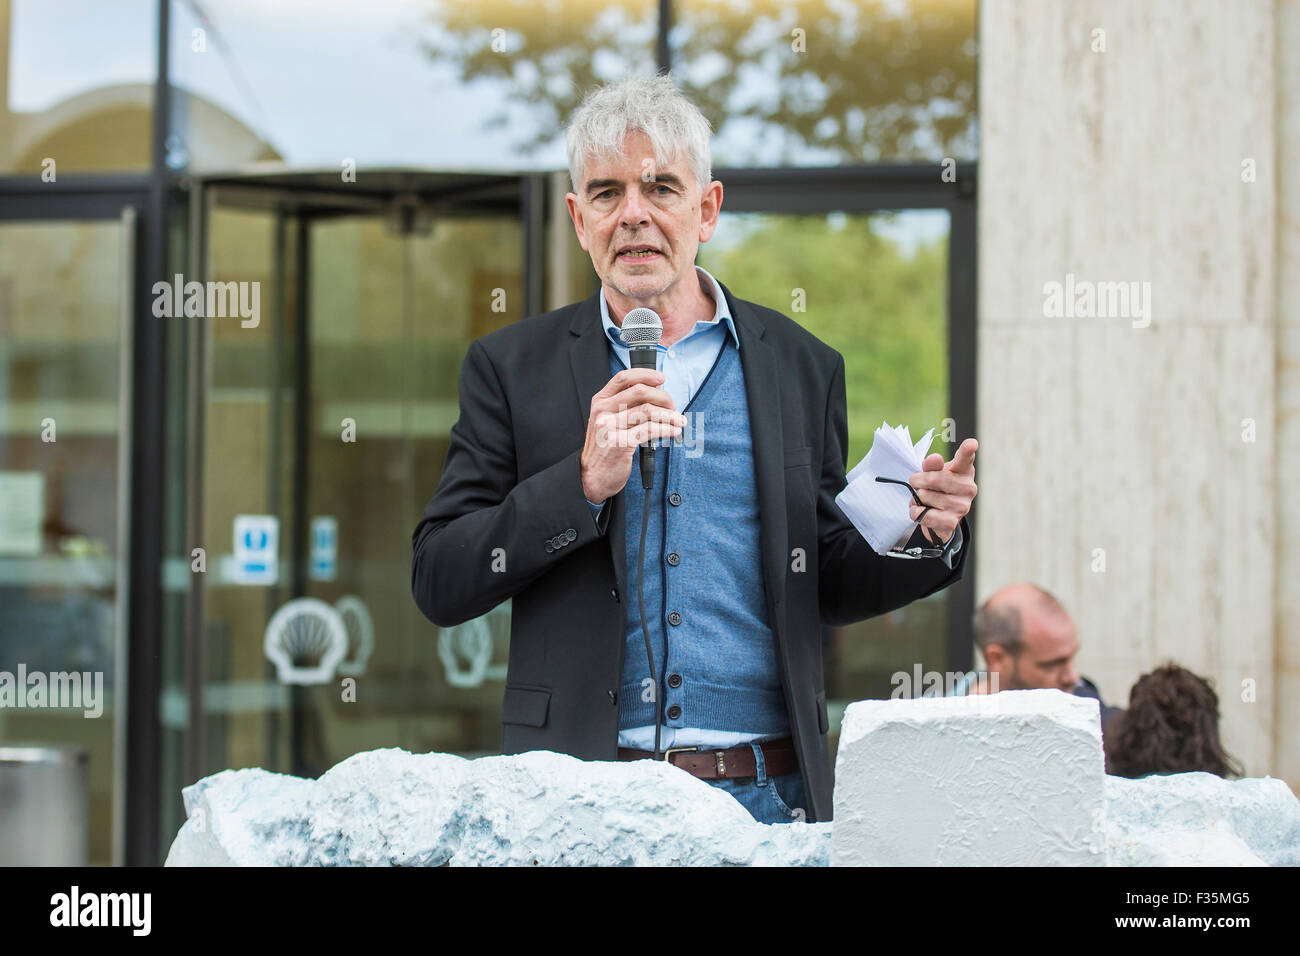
1046,657
642,224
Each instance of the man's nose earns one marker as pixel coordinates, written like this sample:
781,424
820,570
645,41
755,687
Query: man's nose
1069,679
633,212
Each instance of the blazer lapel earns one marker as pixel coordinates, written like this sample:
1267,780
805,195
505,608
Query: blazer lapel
759,362
589,361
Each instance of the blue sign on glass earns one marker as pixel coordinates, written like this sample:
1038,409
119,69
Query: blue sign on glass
324,548
257,548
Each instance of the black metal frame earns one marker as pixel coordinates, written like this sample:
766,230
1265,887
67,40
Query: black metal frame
144,661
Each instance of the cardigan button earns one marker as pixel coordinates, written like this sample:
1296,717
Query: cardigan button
674,712
674,680
674,499
674,559
674,619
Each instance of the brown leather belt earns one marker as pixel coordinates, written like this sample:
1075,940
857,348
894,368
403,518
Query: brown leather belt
778,758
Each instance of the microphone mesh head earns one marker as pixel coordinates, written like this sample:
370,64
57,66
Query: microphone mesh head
642,328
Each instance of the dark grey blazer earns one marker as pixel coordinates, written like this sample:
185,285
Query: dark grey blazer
511,482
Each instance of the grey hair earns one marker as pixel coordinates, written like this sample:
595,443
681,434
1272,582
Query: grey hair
652,105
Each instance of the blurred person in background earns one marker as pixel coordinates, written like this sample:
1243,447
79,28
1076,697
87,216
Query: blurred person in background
1171,726
1028,641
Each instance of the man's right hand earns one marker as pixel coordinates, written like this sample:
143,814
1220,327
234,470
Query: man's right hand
629,410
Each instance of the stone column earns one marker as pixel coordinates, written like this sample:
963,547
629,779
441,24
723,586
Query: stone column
1132,459
1286,742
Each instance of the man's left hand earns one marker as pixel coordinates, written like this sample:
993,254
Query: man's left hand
948,488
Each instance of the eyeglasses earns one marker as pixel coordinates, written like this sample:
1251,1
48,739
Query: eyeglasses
912,553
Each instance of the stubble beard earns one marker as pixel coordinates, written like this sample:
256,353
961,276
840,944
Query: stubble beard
621,290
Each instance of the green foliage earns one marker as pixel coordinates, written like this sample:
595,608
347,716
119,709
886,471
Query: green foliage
860,81
882,308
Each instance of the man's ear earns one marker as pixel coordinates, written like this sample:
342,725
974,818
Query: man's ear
997,657
571,201
710,206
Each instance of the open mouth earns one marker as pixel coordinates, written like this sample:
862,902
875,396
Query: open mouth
638,253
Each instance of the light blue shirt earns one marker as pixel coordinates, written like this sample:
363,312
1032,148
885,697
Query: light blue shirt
686,362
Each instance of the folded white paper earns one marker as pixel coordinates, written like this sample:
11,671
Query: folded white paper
878,509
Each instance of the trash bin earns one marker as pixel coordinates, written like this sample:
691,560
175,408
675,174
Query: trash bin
44,806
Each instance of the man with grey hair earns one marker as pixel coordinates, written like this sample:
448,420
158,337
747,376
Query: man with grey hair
746,554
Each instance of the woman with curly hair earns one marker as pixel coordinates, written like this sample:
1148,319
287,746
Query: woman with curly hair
1171,726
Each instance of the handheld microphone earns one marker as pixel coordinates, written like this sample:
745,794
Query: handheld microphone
642,330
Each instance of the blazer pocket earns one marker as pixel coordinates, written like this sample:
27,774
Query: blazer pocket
823,719
794,457
525,705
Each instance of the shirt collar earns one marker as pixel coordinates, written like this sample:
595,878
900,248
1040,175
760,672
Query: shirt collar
720,312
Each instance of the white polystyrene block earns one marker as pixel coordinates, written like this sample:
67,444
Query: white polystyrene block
1008,779
389,807
926,770
1198,819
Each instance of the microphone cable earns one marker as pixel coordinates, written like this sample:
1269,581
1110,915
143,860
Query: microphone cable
640,600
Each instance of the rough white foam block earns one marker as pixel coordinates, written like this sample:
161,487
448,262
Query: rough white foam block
1198,819
391,807
1009,779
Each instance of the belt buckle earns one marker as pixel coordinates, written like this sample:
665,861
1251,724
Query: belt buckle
676,750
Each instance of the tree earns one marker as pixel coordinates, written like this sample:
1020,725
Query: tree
781,81
883,308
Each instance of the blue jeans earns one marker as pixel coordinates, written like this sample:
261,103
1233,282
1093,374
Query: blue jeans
768,799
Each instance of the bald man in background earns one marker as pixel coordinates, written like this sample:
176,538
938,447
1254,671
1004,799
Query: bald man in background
1028,641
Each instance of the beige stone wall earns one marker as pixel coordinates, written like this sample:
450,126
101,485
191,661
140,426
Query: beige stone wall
1111,439
1286,748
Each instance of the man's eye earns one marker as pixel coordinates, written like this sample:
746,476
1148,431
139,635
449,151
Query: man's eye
664,189
604,194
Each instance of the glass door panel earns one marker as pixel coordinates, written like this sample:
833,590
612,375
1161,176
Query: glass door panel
63,289
327,425
391,319
247,466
